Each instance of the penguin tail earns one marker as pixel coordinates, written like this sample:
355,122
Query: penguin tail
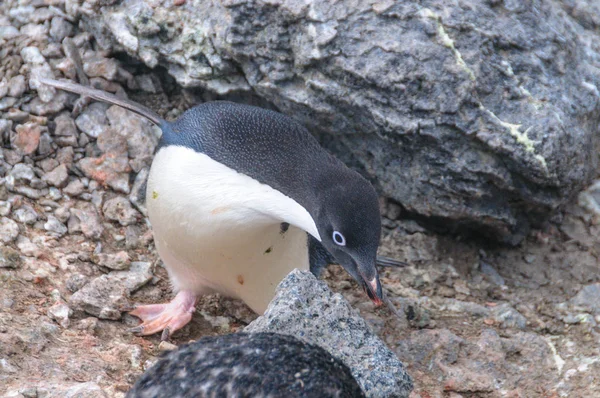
102,96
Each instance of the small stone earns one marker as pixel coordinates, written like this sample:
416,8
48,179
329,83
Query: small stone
62,214
86,220
166,346
45,92
9,230
59,29
106,296
5,207
17,86
76,282
48,164
25,215
92,120
22,173
27,138
588,298
74,188
32,55
7,102
27,247
65,155
116,261
508,317
120,209
54,226
85,390
45,146
101,67
9,258
57,177
146,83
60,312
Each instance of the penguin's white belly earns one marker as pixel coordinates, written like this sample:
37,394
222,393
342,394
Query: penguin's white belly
219,230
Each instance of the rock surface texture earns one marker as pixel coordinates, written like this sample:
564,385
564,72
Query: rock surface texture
305,308
471,115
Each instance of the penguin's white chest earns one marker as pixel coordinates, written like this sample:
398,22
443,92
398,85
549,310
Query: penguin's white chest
219,230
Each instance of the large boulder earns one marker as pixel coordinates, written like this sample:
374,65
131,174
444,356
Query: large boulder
470,114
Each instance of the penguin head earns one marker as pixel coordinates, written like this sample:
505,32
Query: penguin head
349,224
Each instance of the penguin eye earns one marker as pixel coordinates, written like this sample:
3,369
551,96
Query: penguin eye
339,239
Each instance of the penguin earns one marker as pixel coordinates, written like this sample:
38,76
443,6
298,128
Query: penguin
247,365
238,196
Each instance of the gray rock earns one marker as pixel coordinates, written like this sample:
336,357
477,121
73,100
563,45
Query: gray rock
466,113
588,298
59,29
76,282
55,227
74,188
305,308
92,120
7,102
9,230
139,132
17,86
58,177
22,173
87,220
106,296
508,317
9,258
60,312
5,208
25,215
116,261
120,209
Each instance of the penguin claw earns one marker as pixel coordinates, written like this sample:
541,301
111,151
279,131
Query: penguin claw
167,318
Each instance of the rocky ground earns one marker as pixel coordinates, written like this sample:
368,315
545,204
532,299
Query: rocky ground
76,251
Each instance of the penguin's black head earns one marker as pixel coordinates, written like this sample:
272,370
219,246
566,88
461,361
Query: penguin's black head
349,225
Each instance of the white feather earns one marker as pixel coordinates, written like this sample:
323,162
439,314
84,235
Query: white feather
219,230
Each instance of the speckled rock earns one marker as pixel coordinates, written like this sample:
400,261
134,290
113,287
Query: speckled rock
305,308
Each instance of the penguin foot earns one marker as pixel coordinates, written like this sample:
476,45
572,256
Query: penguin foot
165,317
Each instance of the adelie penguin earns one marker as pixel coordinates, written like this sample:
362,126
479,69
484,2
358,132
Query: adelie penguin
238,196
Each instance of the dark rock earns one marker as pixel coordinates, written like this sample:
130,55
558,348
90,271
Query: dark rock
265,364
467,114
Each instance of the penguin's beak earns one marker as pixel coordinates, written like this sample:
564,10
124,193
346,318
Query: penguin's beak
373,289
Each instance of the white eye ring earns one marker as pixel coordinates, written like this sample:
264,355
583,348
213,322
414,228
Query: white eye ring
339,239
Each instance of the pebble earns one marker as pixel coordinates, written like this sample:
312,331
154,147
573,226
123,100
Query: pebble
9,258
76,282
588,298
92,120
60,312
120,209
17,86
86,220
58,177
74,188
27,138
59,29
27,247
106,296
25,215
22,173
9,230
54,226
508,317
116,261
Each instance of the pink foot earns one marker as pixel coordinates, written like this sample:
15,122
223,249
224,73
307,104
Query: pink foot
166,317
